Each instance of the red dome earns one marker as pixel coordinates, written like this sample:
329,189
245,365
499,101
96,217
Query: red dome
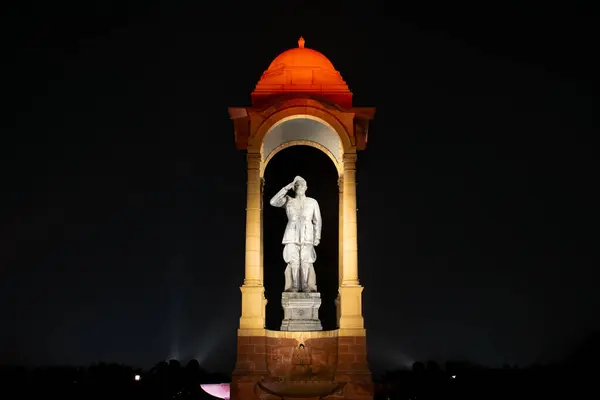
301,57
302,70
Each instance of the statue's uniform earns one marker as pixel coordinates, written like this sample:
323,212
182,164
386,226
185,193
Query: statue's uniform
303,228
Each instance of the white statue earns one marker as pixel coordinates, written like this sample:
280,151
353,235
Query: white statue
302,234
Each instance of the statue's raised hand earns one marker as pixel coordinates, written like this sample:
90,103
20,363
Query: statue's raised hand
290,186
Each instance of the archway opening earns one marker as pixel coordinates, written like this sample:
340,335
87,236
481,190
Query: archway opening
322,176
302,130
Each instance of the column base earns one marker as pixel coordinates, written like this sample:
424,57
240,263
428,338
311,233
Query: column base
350,307
254,305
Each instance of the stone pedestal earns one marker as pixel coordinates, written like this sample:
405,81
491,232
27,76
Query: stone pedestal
301,312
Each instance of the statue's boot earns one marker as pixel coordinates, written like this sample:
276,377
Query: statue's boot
288,279
312,279
304,275
295,270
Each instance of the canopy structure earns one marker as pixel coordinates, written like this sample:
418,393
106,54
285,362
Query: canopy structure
301,100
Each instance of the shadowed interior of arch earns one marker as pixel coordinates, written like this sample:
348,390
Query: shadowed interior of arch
321,175
308,130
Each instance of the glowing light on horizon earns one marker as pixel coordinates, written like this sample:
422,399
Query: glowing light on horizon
218,390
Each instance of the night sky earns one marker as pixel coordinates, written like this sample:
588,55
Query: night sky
123,203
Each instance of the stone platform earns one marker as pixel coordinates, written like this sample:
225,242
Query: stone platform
327,365
301,312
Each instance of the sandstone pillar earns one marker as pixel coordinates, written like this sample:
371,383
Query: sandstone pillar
253,299
350,292
340,245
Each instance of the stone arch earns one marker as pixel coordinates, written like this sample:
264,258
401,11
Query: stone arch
307,109
251,126
338,164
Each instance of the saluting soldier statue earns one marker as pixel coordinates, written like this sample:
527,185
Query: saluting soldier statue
302,234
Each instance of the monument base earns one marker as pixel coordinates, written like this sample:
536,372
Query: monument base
301,312
276,365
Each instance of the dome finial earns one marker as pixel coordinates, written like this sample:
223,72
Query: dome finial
301,42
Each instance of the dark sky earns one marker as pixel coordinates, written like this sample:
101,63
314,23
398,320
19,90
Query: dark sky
123,209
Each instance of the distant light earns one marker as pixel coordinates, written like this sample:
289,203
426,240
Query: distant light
137,377
453,377
218,390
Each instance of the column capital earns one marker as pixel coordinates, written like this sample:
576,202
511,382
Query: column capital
254,160
349,161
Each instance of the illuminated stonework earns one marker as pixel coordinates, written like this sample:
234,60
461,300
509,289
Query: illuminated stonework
301,99
303,129
302,70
